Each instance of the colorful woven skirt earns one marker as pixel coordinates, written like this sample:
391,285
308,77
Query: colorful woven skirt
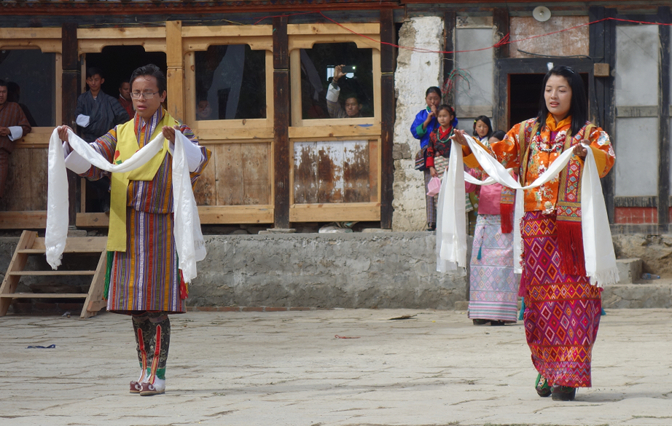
562,312
493,290
146,277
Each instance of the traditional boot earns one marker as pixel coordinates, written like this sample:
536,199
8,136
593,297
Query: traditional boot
140,339
155,382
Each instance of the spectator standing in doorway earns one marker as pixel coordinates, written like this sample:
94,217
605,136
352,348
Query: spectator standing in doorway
13,126
96,113
125,98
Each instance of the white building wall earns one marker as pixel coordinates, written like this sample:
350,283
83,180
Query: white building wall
415,72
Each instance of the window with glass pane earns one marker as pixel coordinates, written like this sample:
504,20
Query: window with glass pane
351,96
230,83
31,83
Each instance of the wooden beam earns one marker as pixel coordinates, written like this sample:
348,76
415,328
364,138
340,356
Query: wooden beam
175,64
664,113
388,60
70,92
501,22
608,108
361,212
281,154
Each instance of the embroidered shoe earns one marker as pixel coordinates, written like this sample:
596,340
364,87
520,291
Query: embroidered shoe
156,388
563,393
136,385
542,387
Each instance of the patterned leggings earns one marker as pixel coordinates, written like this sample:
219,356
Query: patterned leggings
152,335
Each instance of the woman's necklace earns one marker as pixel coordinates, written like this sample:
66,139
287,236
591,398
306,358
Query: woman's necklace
547,146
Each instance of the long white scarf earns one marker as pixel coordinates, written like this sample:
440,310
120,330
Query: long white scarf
188,237
451,237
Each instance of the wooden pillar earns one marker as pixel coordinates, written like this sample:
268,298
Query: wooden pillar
500,19
70,90
281,154
449,20
175,72
387,106
664,114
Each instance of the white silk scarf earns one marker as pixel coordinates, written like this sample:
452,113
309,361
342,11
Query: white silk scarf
187,229
451,237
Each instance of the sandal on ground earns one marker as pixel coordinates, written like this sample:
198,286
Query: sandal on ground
563,393
497,322
479,321
542,387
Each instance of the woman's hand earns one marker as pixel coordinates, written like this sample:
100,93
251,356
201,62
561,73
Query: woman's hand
458,136
581,151
432,171
169,133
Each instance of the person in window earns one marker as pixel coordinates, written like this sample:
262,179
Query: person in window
14,95
203,110
96,113
13,126
352,105
125,98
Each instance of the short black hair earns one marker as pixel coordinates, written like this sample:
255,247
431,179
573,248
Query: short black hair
3,84
91,71
578,108
498,134
446,107
352,95
122,82
153,71
433,89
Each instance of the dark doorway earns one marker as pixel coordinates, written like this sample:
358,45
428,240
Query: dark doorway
118,62
524,93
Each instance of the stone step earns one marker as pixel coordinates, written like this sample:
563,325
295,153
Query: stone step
629,270
635,296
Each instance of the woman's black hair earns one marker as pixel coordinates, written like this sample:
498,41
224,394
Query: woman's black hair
487,122
498,134
153,71
433,89
450,110
578,108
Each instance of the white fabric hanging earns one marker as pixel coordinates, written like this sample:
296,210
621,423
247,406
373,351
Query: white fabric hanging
187,226
451,241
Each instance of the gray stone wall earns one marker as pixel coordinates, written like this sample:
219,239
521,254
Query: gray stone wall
390,270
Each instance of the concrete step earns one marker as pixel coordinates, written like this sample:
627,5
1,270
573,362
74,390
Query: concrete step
652,294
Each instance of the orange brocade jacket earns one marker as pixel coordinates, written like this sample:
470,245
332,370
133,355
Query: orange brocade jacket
543,152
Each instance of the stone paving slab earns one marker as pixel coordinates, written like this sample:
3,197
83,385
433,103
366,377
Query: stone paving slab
287,368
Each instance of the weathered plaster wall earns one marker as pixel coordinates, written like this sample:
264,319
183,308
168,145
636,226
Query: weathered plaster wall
475,93
636,85
567,43
415,72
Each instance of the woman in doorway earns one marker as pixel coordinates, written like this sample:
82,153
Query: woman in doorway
563,312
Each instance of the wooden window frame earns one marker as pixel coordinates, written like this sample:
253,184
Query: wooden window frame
305,36
198,39
46,40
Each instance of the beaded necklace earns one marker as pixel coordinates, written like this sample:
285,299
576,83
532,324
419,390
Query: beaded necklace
445,140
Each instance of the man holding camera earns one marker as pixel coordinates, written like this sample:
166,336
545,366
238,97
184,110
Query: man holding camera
352,105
